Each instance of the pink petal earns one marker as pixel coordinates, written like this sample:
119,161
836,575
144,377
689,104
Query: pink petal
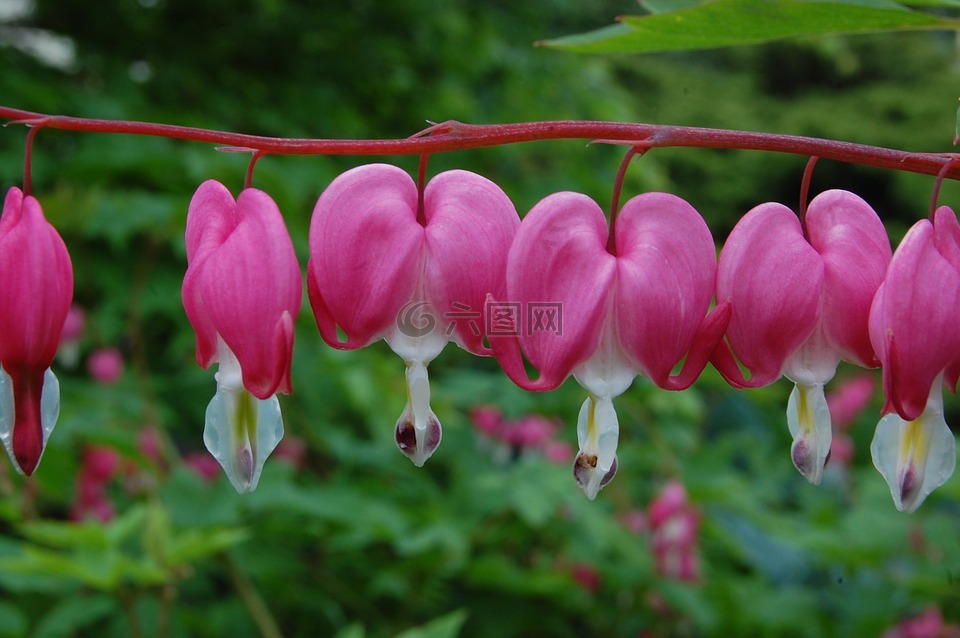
37,284
35,297
471,224
365,251
243,284
947,236
666,269
913,321
558,257
211,218
855,249
773,279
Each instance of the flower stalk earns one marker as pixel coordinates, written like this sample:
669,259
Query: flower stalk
453,135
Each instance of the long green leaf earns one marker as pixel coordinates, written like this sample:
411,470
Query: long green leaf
666,6
737,22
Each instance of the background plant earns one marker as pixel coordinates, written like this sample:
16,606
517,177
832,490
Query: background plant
348,538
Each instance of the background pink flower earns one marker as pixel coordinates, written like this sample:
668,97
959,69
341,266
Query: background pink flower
105,365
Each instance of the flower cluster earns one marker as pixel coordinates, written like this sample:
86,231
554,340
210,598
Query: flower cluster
566,292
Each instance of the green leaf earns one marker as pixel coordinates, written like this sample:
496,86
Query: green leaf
738,22
666,6
72,614
956,134
447,626
195,544
354,630
934,3
66,535
13,622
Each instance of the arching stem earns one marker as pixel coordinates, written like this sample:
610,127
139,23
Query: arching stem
28,161
452,136
248,180
615,198
936,185
421,184
805,192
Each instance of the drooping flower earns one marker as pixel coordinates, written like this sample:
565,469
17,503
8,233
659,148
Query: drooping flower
242,292
800,304
928,624
638,308
99,467
36,287
68,352
509,439
105,365
388,262
674,525
913,326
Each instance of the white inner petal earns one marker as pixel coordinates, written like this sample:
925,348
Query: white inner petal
240,431
418,416
598,432
808,418
915,457
607,373
815,362
49,411
423,349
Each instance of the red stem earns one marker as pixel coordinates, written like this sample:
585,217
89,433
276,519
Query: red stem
451,136
421,184
615,198
28,161
805,192
936,186
248,179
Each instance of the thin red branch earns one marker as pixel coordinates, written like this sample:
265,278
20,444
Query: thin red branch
805,192
936,186
451,136
28,162
248,180
615,198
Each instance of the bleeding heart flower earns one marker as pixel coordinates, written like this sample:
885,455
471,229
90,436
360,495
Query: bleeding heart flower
241,293
674,525
800,305
388,262
35,295
105,365
913,326
638,308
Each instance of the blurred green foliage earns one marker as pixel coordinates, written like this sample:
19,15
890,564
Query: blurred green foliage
355,541
672,25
